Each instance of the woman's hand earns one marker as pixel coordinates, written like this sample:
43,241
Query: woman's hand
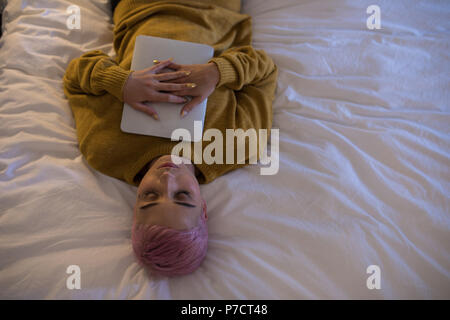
147,86
204,76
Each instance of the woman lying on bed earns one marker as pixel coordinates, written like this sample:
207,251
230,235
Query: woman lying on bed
169,233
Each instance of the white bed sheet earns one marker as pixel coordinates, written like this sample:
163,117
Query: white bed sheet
364,163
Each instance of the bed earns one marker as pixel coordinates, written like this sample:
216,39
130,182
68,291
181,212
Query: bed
362,191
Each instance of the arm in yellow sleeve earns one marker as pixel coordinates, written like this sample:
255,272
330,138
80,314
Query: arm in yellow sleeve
243,65
95,73
252,75
246,91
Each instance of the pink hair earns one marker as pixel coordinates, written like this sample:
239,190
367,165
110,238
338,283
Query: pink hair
169,252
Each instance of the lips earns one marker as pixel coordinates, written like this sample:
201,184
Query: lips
168,164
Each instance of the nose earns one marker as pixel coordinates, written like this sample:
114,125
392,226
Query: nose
166,176
168,181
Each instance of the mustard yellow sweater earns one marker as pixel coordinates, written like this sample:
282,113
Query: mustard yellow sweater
93,83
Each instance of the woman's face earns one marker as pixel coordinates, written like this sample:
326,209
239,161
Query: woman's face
169,195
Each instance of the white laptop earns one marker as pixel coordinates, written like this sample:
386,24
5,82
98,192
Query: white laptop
147,49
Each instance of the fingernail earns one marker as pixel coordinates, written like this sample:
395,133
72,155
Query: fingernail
183,113
191,85
155,116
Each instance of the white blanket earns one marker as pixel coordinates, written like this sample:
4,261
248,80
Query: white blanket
363,117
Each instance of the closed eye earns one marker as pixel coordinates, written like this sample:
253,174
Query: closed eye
185,204
147,193
154,203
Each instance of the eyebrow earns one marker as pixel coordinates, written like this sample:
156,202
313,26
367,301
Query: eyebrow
185,204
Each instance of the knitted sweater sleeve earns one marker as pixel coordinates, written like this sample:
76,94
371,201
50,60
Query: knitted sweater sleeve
95,73
247,87
243,65
252,75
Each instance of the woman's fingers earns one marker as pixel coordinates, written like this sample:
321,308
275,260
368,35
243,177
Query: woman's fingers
190,105
165,70
161,65
146,109
172,65
175,66
171,75
161,86
167,64
188,90
167,97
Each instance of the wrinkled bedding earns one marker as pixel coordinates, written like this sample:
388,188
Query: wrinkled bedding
363,118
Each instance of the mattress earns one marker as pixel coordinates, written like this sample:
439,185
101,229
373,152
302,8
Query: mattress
363,186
